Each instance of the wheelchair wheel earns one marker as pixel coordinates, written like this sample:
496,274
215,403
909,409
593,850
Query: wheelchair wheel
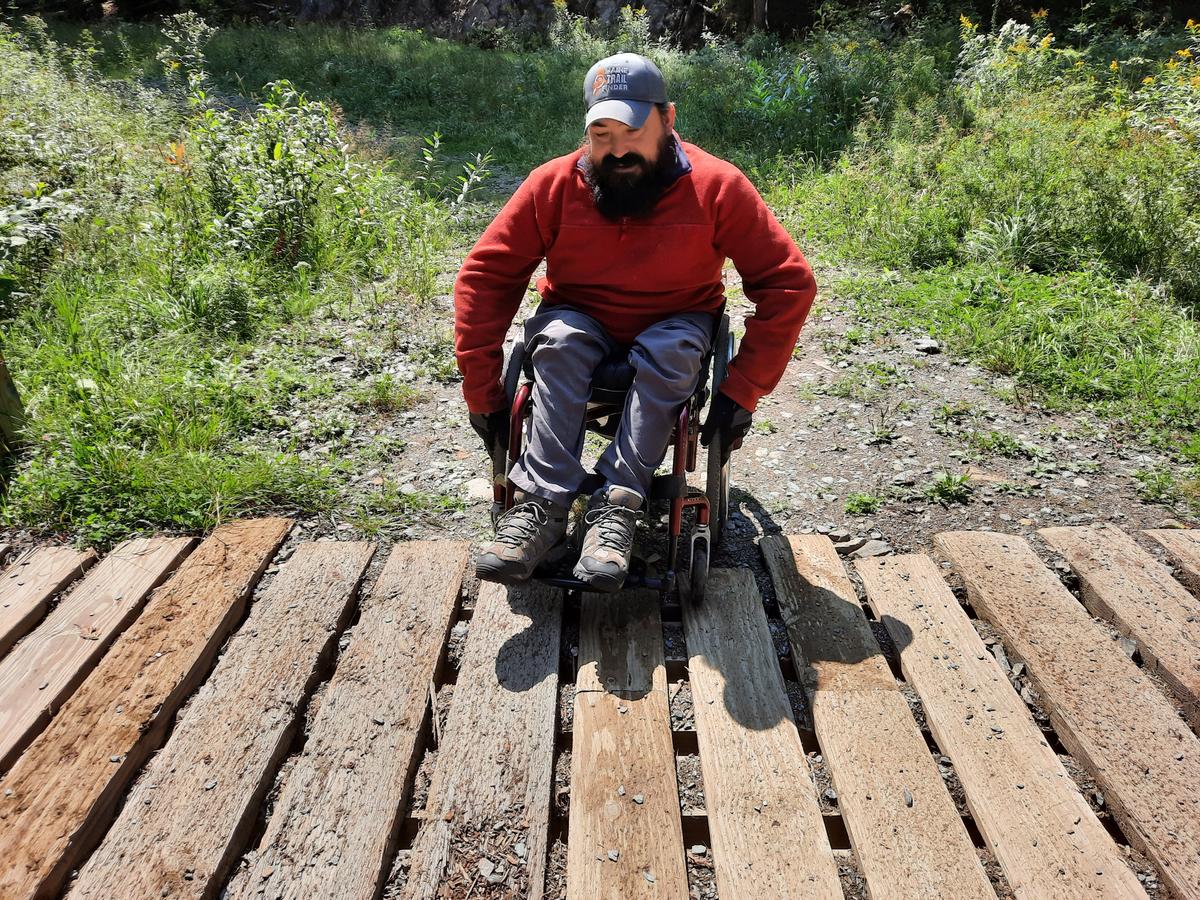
512,370
716,484
698,575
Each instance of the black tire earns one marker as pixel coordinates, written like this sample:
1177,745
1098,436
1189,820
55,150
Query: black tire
716,483
698,574
512,370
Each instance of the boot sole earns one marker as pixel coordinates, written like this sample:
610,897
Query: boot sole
500,574
599,581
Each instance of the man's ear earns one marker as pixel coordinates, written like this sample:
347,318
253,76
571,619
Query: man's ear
670,123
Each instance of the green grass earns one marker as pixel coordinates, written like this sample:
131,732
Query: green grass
1078,338
999,443
386,395
862,504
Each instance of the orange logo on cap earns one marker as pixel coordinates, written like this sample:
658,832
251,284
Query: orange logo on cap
601,80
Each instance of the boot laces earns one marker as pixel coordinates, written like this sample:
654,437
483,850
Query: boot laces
616,524
521,523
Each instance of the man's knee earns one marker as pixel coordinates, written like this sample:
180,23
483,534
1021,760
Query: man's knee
671,356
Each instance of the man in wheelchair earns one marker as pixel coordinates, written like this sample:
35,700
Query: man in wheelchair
635,227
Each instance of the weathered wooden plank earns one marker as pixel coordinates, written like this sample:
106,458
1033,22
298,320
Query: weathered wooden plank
1184,546
1045,836
52,660
1122,583
902,823
60,795
768,838
831,631
182,824
362,744
490,788
1105,709
28,584
626,832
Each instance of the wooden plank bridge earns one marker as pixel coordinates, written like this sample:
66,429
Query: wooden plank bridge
252,717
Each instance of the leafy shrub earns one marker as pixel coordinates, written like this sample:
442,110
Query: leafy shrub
1017,59
1169,103
270,174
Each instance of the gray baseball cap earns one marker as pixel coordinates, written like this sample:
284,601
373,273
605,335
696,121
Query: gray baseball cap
624,87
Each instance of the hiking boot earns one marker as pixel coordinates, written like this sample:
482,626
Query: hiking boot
608,544
525,535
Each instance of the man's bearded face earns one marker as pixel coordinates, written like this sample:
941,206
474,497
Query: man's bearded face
629,185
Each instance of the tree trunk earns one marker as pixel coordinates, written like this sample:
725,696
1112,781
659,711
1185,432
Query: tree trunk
12,414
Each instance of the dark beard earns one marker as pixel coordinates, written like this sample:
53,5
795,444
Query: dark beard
633,194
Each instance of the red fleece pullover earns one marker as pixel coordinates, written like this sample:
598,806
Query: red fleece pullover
630,274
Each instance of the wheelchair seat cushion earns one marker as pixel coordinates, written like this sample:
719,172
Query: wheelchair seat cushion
613,377
614,373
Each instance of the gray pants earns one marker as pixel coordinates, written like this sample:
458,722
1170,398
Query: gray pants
566,346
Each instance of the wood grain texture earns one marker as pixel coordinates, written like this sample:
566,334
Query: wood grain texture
1107,712
626,837
768,837
52,660
1043,832
1184,546
490,788
188,814
830,629
28,584
59,797
1127,586
336,817
908,836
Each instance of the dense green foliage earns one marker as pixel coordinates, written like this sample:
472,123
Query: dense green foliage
170,228
148,241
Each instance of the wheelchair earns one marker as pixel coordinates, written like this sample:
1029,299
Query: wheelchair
610,383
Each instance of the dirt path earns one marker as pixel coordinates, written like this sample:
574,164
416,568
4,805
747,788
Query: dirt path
860,411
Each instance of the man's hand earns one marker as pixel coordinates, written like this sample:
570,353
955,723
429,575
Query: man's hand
492,428
729,420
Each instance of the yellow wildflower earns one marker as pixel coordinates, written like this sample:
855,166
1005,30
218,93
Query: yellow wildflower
1040,14
851,46
1044,43
1172,65
966,23
1021,46
1147,80
1113,67
1185,53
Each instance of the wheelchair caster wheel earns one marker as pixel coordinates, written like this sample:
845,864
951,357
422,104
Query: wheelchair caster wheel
698,574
